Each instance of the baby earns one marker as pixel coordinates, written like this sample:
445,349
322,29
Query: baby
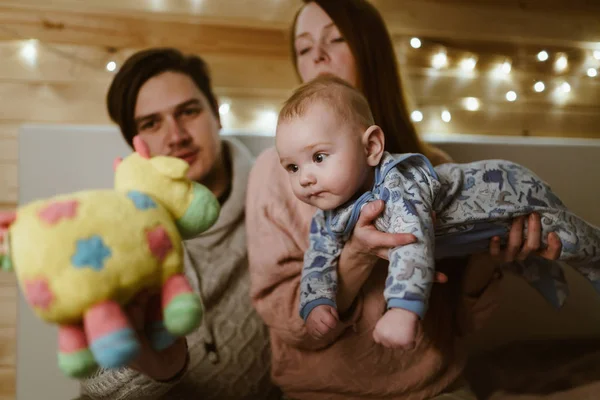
334,153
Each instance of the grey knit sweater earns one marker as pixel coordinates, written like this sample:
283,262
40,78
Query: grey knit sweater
217,265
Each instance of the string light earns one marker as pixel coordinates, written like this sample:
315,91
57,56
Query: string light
468,64
439,60
597,54
565,87
416,116
511,95
224,108
29,51
542,55
506,67
561,63
471,104
539,87
446,116
592,72
111,66
415,43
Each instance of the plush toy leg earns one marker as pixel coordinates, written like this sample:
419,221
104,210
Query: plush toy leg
160,338
182,308
112,339
74,357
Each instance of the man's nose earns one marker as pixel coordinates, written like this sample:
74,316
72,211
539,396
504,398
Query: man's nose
175,131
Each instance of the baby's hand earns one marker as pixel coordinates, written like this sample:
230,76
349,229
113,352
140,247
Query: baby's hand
321,320
396,329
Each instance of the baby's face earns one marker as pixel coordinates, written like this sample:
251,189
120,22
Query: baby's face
323,156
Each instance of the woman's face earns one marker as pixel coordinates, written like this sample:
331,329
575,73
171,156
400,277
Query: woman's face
175,119
320,48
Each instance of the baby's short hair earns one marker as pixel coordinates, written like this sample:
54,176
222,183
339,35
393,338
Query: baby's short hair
347,102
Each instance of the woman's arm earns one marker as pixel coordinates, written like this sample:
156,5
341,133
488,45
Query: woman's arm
277,233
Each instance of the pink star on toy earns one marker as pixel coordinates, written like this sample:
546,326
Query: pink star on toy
38,293
54,212
159,242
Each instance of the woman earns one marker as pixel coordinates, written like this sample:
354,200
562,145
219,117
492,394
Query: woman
166,98
348,38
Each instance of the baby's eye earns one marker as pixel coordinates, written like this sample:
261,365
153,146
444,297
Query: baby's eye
292,168
319,157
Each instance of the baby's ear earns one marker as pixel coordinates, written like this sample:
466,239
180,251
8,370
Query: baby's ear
374,144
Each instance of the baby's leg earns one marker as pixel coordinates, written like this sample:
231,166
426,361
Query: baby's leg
74,357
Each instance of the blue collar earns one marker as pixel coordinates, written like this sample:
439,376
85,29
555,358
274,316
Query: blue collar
379,191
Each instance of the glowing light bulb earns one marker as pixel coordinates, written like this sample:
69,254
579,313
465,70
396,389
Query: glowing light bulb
539,87
446,116
439,60
472,104
416,116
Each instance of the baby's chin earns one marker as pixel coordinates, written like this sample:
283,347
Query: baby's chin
325,204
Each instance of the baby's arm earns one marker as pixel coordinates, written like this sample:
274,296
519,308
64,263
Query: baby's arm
412,268
318,287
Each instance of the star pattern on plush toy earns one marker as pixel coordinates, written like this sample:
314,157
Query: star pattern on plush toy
159,242
141,200
59,210
38,293
91,252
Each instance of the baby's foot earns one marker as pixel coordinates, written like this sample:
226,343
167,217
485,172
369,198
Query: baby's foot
321,320
396,329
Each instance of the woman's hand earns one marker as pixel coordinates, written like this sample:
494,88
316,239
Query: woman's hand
158,365
371,244
517,250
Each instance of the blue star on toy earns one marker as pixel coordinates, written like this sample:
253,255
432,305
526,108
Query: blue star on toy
91,253
140,200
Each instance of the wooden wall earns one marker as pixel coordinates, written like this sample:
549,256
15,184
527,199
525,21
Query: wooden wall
245,44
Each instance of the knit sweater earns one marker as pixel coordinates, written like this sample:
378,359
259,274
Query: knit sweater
216,264
348,364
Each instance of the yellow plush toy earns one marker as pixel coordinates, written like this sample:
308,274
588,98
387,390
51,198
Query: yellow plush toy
79,258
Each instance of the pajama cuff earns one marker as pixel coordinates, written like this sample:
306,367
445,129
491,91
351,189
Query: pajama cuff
416,306
308,307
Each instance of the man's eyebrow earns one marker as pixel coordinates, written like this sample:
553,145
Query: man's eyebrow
186,103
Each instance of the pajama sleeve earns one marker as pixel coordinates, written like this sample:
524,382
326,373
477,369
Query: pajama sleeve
318,285
412,267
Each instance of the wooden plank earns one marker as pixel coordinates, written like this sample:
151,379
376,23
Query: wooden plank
126,31
8,386
62,64
543,6
8,183
247,13
54,63
479,21
9,151
532,21
520,121
8,335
